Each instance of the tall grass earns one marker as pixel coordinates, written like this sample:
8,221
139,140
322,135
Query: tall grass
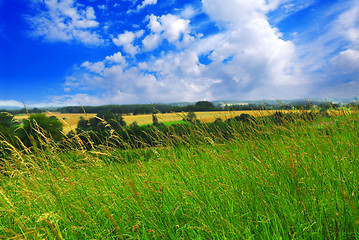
294,180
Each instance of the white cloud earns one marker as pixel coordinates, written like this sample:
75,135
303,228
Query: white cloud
348,24
65,21
341,76
347,62
176,77
247,59
289,7
10,103
330,59
151,42
188,12
97,67
154,24
173,27
249,54
102,7
72,100
144,4
170,27
117,58
126,40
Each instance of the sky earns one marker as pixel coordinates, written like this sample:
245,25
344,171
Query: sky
97,52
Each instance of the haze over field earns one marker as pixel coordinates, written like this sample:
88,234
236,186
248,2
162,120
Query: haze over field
66,52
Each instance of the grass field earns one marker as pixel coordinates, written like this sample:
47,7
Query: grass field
70,120
289,181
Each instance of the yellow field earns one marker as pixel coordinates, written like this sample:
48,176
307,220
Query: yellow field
70,120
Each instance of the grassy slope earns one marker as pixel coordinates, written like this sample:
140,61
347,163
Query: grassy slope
297,181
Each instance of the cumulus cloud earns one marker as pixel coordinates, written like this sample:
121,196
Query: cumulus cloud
248,54
188,12
65,21
230,13
117,58
173,77
246,59
126,40
97,67
173,27
152,41
167,27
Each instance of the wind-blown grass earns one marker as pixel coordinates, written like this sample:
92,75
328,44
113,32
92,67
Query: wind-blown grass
292,181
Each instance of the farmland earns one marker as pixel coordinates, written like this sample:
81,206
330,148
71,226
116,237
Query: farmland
70,120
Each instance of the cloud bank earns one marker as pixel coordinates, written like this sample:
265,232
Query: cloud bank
169,58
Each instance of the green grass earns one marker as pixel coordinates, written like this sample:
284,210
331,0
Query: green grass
290,181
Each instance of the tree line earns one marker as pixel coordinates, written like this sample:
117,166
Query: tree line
138,109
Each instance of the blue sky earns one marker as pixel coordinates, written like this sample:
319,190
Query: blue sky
95,52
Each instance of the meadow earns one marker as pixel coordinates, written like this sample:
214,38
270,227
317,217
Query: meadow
293,180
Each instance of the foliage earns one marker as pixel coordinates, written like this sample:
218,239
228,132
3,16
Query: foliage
218,121
101,122
39,128
191,117
6,123
154,120
7,129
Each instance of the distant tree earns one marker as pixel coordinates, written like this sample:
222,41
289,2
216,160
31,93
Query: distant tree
37,126
244,118
104,120
324,107
134,124
204,106
7,128
6,122
144,109
218,121
83,125
190,117
35,110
